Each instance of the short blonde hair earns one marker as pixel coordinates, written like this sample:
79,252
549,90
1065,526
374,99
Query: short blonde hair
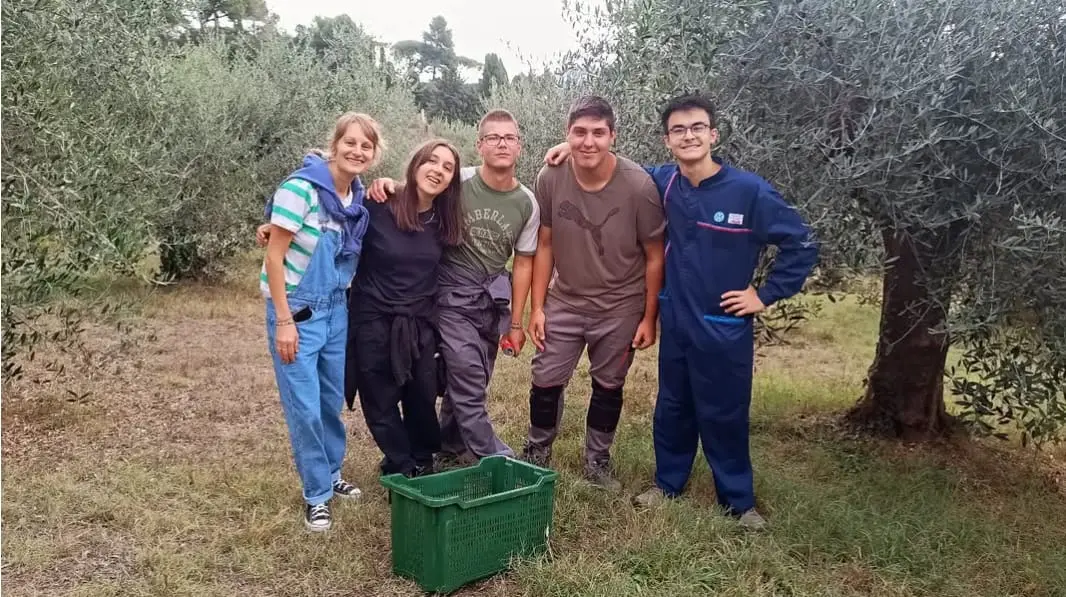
498,115
366,124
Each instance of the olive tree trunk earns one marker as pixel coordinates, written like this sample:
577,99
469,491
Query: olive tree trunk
904,394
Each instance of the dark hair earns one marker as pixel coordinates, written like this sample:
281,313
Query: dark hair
449,209
592,106
691,101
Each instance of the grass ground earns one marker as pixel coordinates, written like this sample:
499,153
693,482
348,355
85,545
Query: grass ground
173,476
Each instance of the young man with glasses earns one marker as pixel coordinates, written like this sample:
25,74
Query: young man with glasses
719,219
477,304
601,216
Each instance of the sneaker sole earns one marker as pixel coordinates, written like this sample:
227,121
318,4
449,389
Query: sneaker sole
610,488
653,501
758,526
317,528
349,496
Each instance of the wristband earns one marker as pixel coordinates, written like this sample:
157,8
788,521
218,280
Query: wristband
516,326
283,322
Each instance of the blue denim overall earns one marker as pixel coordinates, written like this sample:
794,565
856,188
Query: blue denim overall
312,386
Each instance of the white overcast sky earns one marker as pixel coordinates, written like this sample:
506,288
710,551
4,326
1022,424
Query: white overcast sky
510,28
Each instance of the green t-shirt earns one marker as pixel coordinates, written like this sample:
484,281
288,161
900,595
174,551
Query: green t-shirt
497,224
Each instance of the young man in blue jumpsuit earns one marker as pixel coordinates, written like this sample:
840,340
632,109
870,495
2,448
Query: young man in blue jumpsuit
719,219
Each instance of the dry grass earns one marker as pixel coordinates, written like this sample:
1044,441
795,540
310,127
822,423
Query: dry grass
173,477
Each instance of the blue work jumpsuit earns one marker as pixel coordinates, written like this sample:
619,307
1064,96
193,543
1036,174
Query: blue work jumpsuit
715,233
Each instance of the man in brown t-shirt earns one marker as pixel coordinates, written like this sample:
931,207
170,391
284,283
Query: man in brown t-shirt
601,215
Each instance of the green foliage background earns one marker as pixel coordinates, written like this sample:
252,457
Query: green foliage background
155,130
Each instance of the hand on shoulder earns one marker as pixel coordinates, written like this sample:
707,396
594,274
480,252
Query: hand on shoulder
382,188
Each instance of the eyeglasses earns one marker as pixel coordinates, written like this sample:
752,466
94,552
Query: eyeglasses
495,139
697,129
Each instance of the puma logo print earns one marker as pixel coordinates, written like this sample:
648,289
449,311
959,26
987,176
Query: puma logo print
573,213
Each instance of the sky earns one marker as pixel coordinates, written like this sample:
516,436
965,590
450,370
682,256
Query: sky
513,29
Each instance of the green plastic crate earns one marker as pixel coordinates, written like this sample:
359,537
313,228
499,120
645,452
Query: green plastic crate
453,528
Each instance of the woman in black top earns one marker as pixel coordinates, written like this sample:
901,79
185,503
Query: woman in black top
392,309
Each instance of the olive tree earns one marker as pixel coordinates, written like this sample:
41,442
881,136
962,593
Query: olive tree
539,102
935,129
125,141
241,114
78,77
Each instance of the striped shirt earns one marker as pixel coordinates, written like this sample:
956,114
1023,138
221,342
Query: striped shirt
296,209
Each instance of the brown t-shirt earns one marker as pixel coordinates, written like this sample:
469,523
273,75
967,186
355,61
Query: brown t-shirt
597,237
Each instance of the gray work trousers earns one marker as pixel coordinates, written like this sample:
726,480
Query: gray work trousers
474,311
609,339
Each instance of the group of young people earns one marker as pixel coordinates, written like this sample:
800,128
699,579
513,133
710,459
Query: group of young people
399,293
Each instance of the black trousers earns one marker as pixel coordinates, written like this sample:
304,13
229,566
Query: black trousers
410,437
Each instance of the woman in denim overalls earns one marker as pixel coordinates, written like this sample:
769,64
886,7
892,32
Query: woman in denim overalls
317,224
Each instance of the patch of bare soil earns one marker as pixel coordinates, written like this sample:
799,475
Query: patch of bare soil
190,378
